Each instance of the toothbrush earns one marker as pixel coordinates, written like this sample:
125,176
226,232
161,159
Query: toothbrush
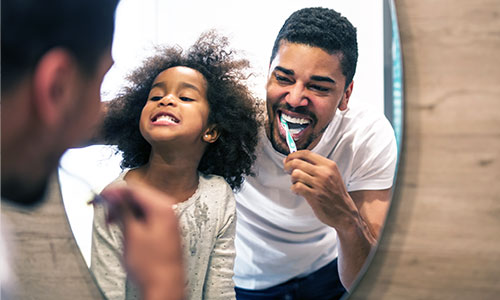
289,139
115,209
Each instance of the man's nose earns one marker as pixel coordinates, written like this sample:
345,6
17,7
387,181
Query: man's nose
297,96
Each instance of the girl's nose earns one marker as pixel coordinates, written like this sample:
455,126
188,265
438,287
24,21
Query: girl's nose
167,100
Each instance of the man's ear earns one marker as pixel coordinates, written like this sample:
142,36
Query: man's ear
345,98
54,85
211,134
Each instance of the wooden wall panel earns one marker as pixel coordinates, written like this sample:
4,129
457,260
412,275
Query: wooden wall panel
442,236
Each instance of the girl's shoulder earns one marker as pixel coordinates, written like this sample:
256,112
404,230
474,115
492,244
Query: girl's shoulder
215,189
214,182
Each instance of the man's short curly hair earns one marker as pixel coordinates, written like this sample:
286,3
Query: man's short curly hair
324,28
232,108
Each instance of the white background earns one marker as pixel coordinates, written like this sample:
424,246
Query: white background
251,26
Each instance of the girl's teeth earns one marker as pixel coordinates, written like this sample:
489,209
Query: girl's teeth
166,118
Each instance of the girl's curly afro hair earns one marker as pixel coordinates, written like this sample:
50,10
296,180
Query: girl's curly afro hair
232,108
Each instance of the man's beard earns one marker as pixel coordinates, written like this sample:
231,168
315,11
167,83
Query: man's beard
20,192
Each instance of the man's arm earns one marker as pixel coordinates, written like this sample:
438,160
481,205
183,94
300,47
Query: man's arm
356,242
357,216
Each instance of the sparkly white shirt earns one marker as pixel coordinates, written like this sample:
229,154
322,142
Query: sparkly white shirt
207,222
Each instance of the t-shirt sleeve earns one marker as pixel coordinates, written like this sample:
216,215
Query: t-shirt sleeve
375,157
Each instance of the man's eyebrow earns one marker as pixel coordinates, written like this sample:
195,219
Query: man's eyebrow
322,78
314,77
284,70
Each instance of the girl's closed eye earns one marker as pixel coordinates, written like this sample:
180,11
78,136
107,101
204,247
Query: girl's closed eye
186,99
155,98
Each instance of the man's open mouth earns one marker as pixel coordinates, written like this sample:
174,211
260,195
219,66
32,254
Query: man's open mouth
296,125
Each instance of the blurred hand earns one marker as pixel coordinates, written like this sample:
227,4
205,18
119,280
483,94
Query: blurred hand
153,254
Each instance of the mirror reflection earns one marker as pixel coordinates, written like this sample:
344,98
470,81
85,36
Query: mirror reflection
292,224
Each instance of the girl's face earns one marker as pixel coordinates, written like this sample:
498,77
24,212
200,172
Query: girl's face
177,109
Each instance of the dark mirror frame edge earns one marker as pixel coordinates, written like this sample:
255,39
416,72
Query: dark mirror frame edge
393,108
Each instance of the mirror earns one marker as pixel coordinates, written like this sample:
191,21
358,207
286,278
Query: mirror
251,28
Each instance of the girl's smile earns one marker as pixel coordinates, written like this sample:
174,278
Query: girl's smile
164,119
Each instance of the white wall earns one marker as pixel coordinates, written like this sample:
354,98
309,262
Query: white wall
251,26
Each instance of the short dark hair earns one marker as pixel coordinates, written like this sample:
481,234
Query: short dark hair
232,108
324,28
30,28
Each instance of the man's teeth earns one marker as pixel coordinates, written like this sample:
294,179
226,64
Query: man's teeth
299,121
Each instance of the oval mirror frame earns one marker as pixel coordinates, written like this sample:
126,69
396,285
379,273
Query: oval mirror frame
42,282
374,60
391,89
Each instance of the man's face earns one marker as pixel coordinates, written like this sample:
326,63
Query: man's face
82,120
305,85
78,121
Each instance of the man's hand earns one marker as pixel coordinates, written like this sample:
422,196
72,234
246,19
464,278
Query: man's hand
318,180
153,254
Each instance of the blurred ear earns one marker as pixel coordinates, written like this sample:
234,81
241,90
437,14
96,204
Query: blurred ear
345,98
55,84
211,134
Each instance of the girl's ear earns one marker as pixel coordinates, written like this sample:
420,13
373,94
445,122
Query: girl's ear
211,134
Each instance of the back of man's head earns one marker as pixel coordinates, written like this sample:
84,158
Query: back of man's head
30,28
54,55
324,28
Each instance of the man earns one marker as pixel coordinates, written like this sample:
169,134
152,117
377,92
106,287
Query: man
54,56
306,212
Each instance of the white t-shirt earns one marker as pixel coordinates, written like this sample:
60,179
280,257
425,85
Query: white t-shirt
278,236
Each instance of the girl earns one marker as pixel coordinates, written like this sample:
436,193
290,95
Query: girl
186,126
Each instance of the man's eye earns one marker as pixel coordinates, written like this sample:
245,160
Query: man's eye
187,99
319,88
282,78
